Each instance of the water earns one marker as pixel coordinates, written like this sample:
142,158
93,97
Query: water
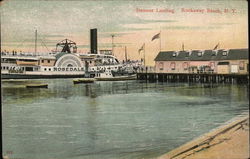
112,120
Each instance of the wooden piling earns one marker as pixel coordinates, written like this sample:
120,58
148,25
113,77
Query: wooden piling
198,78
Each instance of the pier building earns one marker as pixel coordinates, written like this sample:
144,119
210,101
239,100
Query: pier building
232,61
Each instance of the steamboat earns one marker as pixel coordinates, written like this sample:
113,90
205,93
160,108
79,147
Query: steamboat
66,63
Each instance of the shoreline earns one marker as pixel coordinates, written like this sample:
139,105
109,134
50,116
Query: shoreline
229,141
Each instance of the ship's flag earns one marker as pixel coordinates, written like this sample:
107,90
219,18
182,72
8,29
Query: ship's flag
216,46
142,48
157,36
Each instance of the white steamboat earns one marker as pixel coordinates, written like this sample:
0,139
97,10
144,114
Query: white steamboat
63,64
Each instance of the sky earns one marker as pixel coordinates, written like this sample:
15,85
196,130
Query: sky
196,24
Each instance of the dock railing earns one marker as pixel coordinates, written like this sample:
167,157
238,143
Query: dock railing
146,69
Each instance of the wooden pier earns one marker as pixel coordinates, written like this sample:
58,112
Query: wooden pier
193,78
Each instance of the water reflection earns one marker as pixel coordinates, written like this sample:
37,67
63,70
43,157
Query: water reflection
15,91
123,119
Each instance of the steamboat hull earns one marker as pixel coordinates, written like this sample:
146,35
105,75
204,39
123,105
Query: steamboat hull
24,76
119,78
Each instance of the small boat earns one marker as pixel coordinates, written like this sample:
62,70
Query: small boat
37,86
114,76
117,78
83,80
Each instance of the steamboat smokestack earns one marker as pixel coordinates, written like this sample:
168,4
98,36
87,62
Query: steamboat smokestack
93,41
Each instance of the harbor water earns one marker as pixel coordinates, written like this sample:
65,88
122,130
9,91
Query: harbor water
111,120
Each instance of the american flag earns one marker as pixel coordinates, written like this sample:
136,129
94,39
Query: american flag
157,36
142,48
216,46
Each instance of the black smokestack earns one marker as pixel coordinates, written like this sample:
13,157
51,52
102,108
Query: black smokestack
93,41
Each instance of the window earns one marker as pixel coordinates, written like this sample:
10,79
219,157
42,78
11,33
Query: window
185,65
199,54
48,61
45,69
224,53
172,65
161,65
223,63
242,64
212,65
42,61
49,69
28,68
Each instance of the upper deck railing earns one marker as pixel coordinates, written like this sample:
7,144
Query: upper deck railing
24,55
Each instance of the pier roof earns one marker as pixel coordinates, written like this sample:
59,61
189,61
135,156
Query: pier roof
169,56
183,56
165,56
203,55
209,55
233,54
195,55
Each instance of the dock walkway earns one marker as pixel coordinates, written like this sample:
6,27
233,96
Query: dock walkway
230,141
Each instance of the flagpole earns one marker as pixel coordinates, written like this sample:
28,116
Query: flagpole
160,39
112,44
144,55
35,42
126,55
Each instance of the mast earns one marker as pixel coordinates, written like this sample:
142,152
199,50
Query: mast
126,55
160,40
112,44
144,55
35,42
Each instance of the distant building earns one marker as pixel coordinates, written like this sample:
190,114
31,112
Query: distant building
203,61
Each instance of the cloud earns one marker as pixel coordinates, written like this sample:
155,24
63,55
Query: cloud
145,24
109,45
83,46
139,26
222,24
186,27
145,21
116,34
53,36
